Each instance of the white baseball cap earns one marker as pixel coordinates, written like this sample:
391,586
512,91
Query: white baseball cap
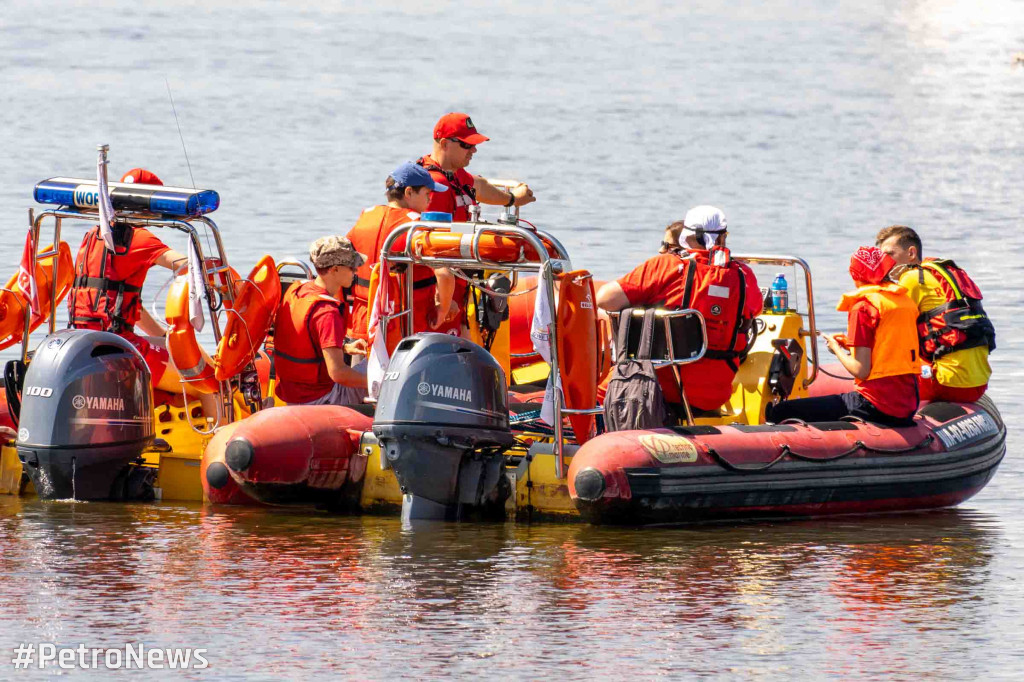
707,219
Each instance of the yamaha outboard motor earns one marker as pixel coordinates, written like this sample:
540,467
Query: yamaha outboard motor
86,418
442,423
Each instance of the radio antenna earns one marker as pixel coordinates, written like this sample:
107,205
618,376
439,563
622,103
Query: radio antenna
180,136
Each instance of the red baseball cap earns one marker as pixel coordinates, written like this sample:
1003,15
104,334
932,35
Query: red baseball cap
141,176
459,126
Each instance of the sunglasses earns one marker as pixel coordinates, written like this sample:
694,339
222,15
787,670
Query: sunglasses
461,143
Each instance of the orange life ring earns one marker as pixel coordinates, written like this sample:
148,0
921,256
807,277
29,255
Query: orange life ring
182,344
13,302
577,334
248,319
493,248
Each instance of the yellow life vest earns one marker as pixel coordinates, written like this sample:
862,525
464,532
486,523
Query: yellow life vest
896,340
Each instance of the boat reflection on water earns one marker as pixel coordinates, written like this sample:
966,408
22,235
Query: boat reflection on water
332,593
836,591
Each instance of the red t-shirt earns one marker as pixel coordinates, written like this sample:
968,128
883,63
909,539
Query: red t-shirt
145,248
327,329
451,201
131,267
895,395
659,281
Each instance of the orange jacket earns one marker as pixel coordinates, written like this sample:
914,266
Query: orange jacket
368,236
297,358
896,341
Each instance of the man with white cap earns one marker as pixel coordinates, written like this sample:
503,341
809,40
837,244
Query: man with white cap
309,335
696,273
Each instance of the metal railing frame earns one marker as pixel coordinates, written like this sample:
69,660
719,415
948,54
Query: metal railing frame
144,220
545,267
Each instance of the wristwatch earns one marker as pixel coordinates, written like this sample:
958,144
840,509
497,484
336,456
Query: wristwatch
511,199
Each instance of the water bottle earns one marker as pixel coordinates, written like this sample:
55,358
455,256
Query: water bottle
780,295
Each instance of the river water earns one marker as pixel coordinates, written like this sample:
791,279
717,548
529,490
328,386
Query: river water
812,124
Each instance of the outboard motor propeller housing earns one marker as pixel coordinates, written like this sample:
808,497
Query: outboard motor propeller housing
442,423
86,418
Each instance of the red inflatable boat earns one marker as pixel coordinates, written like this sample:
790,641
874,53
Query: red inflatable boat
793,469
288,455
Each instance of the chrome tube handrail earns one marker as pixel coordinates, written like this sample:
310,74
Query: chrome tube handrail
667,316
292,261
812,332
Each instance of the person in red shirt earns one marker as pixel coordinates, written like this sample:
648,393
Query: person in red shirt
409,188
701,276
455,142
309,334
107,293
879,349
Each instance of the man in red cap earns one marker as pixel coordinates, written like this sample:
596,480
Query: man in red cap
879,349
455,142
107,292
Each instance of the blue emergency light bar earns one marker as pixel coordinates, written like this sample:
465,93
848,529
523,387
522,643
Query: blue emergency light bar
178,202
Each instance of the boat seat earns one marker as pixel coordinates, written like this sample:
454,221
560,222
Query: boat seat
678,339
942,412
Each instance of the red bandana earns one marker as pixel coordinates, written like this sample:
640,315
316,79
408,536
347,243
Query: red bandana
870,264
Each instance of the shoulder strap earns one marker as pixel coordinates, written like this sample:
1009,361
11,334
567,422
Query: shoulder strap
942,272
622,335
647,335
739,309
691,273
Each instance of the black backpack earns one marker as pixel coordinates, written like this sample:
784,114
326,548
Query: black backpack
634,399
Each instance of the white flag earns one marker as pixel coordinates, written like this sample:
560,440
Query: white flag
106,208
377,362
196,289
540,334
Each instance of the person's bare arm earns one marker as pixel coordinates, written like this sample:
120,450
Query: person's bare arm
857,362
149,325
486,193
169,258
612,297
341,373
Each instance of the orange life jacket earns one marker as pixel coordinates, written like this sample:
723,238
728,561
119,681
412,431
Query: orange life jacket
465,195
98,301
368,236
296,355
719,293
895,348
959,323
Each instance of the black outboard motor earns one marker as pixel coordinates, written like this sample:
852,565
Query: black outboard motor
86,418
442,423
